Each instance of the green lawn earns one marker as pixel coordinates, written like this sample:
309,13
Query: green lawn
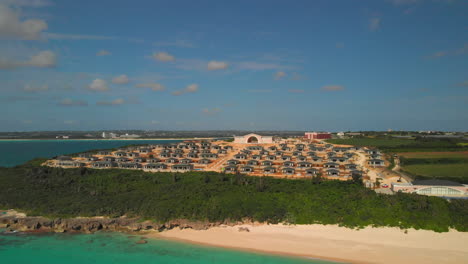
396,145
434,155
374,142
439,170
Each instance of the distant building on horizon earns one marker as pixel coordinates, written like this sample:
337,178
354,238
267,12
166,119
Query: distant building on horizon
109,135
317,135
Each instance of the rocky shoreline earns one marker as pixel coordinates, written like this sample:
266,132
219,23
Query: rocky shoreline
94,224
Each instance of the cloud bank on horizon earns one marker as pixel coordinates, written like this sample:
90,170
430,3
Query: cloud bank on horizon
325,65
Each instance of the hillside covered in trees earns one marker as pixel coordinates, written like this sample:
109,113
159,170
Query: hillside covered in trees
211,196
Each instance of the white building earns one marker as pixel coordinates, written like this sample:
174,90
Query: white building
253,139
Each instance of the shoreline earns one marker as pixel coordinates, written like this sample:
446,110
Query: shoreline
100,139
322,242
258,251
378,245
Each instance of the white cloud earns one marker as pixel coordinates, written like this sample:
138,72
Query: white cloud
211,111
279,75
44,59
259,91
257,66
192,88
217,65
29,3
460,51
333,88
404,2
48,35
69,122
11,27
177,43
154,122
122,79
119,101
153,86
98,85
163,56
71,102
31,88
374,24
296,91
103,53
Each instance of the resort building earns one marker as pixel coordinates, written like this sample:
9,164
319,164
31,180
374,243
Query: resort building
376,162
182,167
253,139
433,188
317,135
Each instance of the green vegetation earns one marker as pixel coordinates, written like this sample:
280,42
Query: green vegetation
396,145
219,197
445,165
454,172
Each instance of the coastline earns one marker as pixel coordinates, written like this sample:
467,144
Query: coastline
333,243
99,139
379,245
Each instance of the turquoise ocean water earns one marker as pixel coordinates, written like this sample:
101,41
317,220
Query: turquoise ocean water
15,152
105,248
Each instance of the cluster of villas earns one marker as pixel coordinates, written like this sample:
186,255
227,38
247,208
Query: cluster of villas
250,154
374,158
295,159
183,156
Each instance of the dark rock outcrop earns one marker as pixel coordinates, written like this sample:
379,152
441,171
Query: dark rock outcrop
94,224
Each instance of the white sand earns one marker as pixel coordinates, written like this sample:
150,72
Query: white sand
369,245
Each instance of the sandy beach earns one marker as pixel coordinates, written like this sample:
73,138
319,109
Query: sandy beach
330,242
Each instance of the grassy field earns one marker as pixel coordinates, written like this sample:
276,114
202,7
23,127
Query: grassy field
434,155
396,145
439,170
438,165
374,142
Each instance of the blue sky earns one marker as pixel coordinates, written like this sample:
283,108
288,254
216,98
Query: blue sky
253,65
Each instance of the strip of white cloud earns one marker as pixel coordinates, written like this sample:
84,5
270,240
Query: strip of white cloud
103,53
44,59
212,111
177,43
152,86
98,85
163,56
71,102
460,51
192,88
333,88
59,36
119,101
279,75
259,91
32,88
374,24
217,65
11,27
257,66
28,3
122,79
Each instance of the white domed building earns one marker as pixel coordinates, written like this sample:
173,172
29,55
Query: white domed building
253,139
